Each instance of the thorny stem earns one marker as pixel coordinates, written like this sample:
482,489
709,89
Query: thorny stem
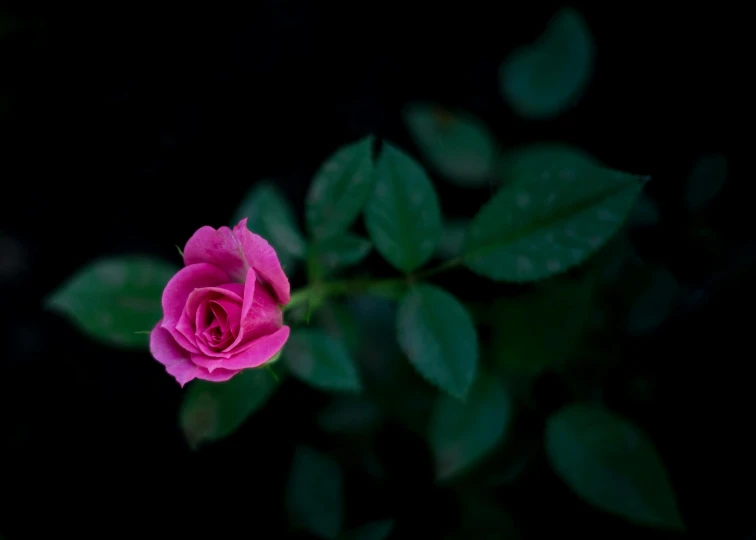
320,291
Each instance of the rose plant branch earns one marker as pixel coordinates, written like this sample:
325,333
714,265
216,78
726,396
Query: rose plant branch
222,313
317,292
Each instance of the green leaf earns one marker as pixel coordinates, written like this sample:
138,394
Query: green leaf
541,80
558,211
402,215
456,143
112,298
314,494
8,24
437,334
270,215
339,189
482,517
338,252
461,433
339,322
542,328
452,238
706,180
645,212
654,303
349,414
211,411
377,530
611,464
321,360
524,161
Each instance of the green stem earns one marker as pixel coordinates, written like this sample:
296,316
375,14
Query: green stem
320,291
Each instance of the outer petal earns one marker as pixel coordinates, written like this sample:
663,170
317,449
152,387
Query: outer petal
262,257
264,318
218,375
175,359
260,351
220,248
249,295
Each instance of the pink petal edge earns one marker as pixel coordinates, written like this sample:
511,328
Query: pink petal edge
263,258
176,360
218,247
169,353
219,375
260,351
181,285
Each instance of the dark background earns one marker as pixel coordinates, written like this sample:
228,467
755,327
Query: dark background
126,130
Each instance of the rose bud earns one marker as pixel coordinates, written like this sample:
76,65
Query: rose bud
222,312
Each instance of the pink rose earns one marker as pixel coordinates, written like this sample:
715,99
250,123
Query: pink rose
222,311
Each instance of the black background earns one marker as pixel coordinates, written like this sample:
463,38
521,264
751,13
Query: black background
128,129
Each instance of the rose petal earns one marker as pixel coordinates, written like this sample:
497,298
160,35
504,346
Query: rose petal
250,282
249,295
234,291
231,314
179,288
264,318
218,375
191,323
211,351
176,360
262,257
169,353
187,327
259,351
214,341
229,309
236,252
220,315
220,248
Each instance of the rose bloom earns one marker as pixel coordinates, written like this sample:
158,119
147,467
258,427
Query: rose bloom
222,311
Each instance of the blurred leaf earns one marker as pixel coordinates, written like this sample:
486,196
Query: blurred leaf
340,188
271,216
392,382
211,411
402,215
706,180
516,459
437,335
349,414
654,304
543,79
645,212
461,433
340,251
542,328
321,360
377,530
314,494
339,322
483,518
452,238
112,298
611,464
520,163
550,218
615,260
8,24
708,245
456,143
